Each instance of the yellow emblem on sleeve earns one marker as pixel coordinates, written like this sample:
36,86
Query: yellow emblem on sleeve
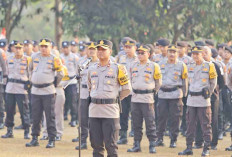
122,75
185,71
212,71
157,73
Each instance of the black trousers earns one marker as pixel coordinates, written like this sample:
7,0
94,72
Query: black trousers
204,116
126,107
84,109
40,104
214,124
104,132
71,101
2,106
140,111
22,101
183,122
221,115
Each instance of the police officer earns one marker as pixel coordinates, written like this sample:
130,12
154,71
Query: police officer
28,47
207,55
16,91
127,60
74,48
203,80
3,75
84,93
163,46
183,49
146,81
71,62
35,48
11,48
104,80
43,67
174,88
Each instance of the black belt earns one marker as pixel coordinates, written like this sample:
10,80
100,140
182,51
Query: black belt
195,93
17,81
104,101
84,86
136,91
42,85
169,89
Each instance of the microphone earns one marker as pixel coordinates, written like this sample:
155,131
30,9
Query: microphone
85,63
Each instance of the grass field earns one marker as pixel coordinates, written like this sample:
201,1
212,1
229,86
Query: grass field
16,147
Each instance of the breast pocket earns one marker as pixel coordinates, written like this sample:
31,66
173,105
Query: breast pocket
94,83
22,69
70,66
204,76
48,68
176,75
109,84
134,76
147,78
11,65
35,66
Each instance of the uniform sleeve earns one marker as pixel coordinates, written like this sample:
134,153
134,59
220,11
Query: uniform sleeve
212,71
124,82
89,80
4,67
184,77
59,69
29,60
157,77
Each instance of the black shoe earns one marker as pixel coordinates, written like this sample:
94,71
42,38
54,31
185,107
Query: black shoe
187,151
73,124
205,152
9,133
123,138
213,147
135,148
65,118
34,142
229,148
19,127
131,133
51,143
197,146
58,138
44,138
75,139
172,144
159,142
224,133
229,129
26,134
83,146
1,125
152,147
220,136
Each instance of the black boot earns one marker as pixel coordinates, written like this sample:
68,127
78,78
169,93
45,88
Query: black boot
152,147
9,133
159,142
173,144
205,151
131,133
220,136
26,133
136,147
83,146
229,148
75,139
123,138
44,138
34,142
187,151
51,142
19,127
73,123
197,146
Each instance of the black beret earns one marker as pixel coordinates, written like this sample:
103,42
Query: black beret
105,44
3,42
65,44
209,42
27,42
199,43
222,45
163,42
73,43
34,42
228,49
182,44
13,42
152,48
214,52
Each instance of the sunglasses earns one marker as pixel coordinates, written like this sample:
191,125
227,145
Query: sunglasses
43,46
140,53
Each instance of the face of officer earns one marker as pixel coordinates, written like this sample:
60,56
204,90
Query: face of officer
221,52
163,50
129,50
182,51
45,50
227,55
207,54
91,52
172,55
143,56
13,49
73,49
35,48
197,57
103,54
28,48
18,52
65,50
